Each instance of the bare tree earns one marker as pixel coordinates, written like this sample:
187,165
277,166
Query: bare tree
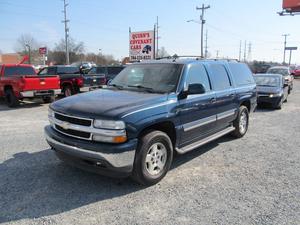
162,53
24,42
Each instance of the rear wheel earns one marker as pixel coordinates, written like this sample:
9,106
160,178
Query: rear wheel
241,122
68,91
153,158
11,99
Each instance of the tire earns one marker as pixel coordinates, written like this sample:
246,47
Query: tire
67,91
48,99
279,105
11,99
241,123
154,150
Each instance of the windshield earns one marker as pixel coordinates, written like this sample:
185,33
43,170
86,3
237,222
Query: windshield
161,78
281,71
267,81
19,70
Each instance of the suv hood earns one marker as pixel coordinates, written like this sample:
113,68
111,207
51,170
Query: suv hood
107,103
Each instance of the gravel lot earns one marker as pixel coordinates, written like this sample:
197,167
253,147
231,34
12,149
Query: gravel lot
253,180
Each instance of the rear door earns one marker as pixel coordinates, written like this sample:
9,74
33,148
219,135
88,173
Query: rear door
226,99
197,112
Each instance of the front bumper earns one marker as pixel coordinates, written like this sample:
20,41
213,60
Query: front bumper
40,93
107,159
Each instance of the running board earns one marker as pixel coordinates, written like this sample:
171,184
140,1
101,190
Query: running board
205,140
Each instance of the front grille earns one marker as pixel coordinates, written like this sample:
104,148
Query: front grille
73,120
74,133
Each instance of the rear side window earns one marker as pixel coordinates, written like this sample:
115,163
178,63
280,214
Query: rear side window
114,70
198,75
219,77
100,70
68,70
241,74
18,70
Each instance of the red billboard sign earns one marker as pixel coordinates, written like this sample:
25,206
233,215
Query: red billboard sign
141,45
43,51
291,5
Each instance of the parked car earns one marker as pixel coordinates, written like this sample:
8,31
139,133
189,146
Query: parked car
296,72
71,79
286,72
149,111
106,72
20,81
271,88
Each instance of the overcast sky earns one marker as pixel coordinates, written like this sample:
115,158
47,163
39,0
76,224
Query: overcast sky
104,25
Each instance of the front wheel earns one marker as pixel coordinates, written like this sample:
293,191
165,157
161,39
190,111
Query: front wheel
241,123
153,158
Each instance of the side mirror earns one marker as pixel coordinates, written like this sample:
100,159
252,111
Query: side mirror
195,89
109,82
285,85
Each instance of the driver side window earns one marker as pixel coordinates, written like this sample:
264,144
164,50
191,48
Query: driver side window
197,75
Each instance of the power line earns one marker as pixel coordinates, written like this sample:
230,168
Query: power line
203,8
66,21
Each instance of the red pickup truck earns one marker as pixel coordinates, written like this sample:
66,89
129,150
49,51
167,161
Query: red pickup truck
19,81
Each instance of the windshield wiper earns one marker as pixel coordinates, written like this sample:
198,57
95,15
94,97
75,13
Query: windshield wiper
148,89
266,85
117,86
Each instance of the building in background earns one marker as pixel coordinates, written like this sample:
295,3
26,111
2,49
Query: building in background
10,58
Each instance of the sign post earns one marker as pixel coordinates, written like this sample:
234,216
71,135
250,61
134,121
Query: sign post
43,52
291,49
141,45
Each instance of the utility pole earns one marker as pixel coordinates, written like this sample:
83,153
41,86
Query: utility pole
245,51
66,21
249,51
240,51
217,54
157,37
206,47
29,53
203,8
285,37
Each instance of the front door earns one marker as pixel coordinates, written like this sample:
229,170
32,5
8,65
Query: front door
197,112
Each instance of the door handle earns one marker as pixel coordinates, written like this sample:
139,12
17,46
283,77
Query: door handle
212,100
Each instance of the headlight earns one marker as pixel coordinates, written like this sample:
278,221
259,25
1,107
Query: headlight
50,113
275,95
109,124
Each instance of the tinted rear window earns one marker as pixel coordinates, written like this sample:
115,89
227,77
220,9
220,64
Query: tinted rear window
114,70
219,77
68,70
100,70
241,74
18,70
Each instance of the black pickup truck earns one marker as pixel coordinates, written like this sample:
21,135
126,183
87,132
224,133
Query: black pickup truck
148,112
72,80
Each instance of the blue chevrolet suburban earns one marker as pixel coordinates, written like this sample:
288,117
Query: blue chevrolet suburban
150,111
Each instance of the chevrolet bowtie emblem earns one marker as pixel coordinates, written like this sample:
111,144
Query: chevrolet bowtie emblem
65,125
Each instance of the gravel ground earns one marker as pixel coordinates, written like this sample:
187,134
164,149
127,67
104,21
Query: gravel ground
253,180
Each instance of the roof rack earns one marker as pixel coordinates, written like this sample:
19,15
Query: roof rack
181,56
196,57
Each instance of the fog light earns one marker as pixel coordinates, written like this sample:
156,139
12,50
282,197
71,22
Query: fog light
117,139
